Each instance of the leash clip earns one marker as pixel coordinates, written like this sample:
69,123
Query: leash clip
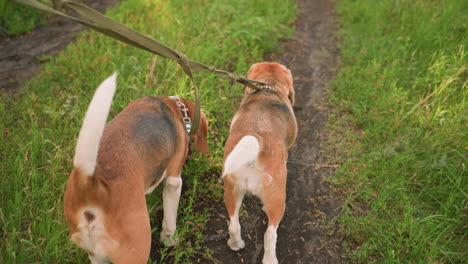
185,117
187,124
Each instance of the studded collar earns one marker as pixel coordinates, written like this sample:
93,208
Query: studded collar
265,86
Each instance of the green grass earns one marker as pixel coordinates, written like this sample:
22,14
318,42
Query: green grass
400,129
41,122
17,18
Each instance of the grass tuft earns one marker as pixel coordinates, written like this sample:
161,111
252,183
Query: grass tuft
16,18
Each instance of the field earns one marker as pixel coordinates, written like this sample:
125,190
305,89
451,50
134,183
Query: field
400,129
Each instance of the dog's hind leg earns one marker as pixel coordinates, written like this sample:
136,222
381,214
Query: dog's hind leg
275,212
269,241
233,200
274,206
171,195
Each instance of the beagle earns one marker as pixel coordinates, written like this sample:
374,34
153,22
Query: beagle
256,151
116,164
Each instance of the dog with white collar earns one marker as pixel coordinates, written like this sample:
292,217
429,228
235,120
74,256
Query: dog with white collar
116,165
256,151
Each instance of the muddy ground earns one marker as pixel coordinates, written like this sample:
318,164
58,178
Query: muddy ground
312,56
20,57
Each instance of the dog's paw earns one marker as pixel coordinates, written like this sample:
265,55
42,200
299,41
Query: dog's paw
168,241
269,260
236,245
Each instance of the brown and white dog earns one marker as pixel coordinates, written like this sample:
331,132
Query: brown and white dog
116,165
256,152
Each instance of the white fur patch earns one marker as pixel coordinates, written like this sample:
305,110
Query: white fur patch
92,235
235,241
249,180
243,155
270,245
171,195
243,166
93,126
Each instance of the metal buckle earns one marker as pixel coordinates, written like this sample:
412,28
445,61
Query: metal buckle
185,117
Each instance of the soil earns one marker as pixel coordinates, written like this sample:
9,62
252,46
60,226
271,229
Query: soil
21,56
307,233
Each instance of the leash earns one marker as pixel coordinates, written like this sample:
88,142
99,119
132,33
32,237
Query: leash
113,29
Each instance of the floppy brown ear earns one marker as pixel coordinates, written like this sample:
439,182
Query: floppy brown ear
291,94
200,139
291,97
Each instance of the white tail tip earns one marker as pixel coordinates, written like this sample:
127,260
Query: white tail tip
244,154
93,126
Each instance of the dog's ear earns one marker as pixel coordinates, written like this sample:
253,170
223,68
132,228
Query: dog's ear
289,83
291,97
297,109
200,139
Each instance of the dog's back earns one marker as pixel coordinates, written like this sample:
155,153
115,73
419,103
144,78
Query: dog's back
144,133
266,114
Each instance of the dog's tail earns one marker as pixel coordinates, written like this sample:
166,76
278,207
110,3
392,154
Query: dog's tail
93,127
244,154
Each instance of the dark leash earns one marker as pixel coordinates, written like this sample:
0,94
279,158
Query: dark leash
113,29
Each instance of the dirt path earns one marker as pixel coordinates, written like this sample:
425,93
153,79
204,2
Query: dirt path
20,57
312,56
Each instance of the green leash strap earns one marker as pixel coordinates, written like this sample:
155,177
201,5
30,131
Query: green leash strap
113,29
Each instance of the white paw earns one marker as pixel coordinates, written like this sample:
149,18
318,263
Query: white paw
167,240
236,245
269,260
